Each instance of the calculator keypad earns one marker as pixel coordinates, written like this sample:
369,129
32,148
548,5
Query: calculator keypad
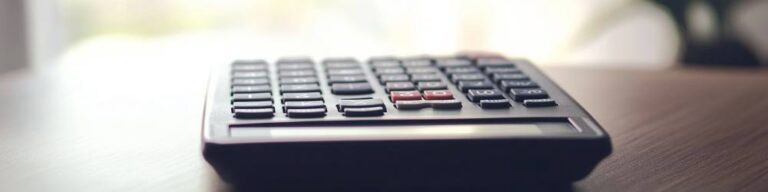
409,84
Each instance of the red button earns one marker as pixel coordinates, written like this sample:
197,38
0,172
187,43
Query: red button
405,95
438,95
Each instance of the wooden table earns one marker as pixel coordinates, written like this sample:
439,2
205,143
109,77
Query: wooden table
130,129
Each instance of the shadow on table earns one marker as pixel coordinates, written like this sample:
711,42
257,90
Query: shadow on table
565,187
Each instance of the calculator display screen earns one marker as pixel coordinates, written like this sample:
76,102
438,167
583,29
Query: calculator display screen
406,132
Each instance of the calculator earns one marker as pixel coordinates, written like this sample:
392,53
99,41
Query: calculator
474,119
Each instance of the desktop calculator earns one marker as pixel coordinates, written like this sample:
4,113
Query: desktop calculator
464,119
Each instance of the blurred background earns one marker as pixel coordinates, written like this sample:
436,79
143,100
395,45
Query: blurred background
41,34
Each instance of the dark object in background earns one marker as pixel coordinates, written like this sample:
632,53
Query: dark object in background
725,49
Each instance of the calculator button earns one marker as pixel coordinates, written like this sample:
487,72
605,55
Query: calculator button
438,95
411,104
306,113
248,62
298,80
416,62
420,70
492,70
351,88
293,88
346,79
442,63
286,60
295,66
400,86
250,74
252,97
331,66
388,63
250,81
425,77
306,96
453,70
257,67
467,77
404,95
475,95
445,104
436,85
507,84
465,86
523,94
345,72
365,111
497,77
393,78
539,102
254,113
297,73
252,89
339,60
494,62
303,105
358,103
251,104
389,71
495,103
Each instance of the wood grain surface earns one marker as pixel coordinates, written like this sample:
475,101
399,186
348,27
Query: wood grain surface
131,129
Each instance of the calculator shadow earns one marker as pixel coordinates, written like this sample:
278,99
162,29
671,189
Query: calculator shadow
565,187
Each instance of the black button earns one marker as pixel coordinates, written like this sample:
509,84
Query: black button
425,77
400,86
346,79
303,105
247,62
523,94
252,89
506,85
465,86
251,104
250,81
293,88
255,67
287,60
339,60
393,78
467,77
306,113
491,70
295,66
365,111
442,63
297,73
307,96
453,70
435,85
342,65
250,74
345,72
254,113
475,95
351,88
495,103
539,102
389,70
418,62
298,80
387,63
358,103
421,70
252,97
497,77
494,62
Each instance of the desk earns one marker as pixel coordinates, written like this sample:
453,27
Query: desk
129,129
